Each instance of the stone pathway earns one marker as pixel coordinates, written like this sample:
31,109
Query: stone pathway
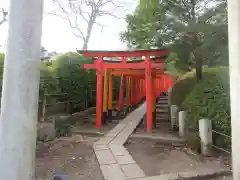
117,164
115,161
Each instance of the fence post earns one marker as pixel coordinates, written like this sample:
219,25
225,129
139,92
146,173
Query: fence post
44,106
205,133
173,114
182,123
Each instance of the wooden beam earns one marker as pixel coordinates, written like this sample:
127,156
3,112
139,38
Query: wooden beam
136,53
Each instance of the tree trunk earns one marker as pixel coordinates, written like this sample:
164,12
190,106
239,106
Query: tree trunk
199,69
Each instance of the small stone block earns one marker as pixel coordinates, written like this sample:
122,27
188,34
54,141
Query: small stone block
118,150
99,147
132,171
126,159
118,128
121,138
105,157
112,172
111,134
104,141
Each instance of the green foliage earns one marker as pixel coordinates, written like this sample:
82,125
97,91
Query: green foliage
210,99
182,88
196,34
48,82
73,80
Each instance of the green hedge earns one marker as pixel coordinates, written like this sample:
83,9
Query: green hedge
74,80
182,88
208,98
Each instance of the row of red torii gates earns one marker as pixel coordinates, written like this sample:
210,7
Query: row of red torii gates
145,78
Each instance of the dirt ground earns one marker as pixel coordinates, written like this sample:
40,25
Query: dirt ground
72,156
156,158
223,178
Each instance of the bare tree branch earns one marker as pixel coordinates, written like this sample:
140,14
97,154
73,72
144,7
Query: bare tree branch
3,15
82,15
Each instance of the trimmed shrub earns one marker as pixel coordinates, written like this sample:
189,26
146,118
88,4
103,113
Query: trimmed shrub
73,80
182,88
210,99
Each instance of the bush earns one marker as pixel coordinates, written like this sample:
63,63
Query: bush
182,88
48,82
46,76
210,99
73,80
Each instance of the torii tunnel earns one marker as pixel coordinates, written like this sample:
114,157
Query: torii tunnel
145,78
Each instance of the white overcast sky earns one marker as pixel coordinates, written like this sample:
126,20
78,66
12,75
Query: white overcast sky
57,35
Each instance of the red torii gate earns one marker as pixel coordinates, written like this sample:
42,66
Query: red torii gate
149,68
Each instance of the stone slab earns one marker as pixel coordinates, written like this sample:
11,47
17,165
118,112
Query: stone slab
118,150
111,134
121,138
132,171
112,172
125,159
105,157
104,141
100,147
118,128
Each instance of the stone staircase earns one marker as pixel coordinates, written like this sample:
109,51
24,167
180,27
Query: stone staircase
162,110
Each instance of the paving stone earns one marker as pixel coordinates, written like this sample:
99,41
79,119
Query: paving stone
118,150
112,172
99,147
118,128
126,159
120,139
132,171
111,134
104,141
105,157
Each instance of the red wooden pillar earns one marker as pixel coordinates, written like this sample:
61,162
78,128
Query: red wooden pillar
154,102
133,91
99,92
144,88
140,90
121,94
128,81
158,92
148,85
121,89
137,95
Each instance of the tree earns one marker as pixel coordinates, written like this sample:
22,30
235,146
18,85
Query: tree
194,30
142,26
3,16
82,15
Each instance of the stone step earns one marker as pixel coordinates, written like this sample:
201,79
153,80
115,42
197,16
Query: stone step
162,106
162,115
162,119
162,110
162,102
